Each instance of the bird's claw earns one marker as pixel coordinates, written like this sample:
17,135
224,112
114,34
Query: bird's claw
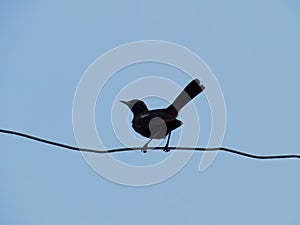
144,149
166,149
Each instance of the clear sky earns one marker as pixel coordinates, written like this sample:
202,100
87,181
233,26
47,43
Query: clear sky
251,46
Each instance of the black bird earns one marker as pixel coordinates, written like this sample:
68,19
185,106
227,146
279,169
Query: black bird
158,123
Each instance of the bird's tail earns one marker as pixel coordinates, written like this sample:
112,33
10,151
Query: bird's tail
189,92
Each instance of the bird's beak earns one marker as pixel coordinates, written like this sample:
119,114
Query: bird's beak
130,103
126,103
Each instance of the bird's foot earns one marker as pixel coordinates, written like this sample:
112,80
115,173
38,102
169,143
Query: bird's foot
144,149
166,148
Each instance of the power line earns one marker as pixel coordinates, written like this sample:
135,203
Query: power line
224,149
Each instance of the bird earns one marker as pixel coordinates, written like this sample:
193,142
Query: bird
159,123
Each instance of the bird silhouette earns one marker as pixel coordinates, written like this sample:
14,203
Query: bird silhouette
158,123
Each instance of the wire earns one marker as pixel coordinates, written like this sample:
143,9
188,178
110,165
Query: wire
150,148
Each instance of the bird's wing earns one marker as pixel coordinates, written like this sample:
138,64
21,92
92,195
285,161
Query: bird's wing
162,114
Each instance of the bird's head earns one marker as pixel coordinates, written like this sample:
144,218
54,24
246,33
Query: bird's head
136,106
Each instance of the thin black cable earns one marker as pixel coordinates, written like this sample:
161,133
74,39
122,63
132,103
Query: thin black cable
150,148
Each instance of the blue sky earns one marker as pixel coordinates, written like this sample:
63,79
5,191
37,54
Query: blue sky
251,46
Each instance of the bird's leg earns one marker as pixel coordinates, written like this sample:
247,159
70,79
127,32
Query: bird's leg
166,148
144,148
